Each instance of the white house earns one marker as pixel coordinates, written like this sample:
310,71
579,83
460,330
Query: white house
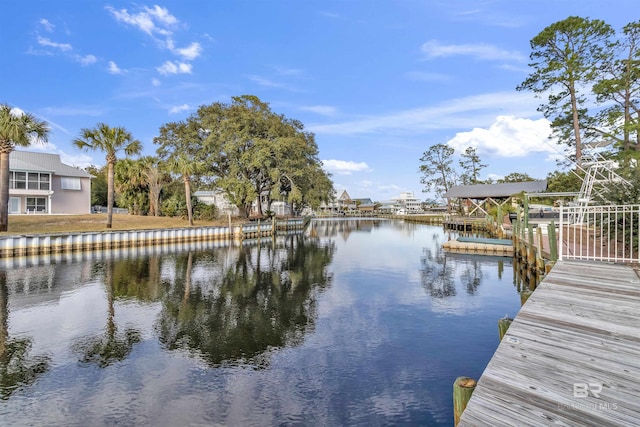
219,200
41,183
406,203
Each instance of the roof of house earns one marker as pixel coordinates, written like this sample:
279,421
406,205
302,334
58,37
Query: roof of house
344,196
364,201
43,162
506,189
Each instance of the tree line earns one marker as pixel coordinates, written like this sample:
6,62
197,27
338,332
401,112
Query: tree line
589,77
241,148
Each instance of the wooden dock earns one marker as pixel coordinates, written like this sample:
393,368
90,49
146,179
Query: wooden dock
571,356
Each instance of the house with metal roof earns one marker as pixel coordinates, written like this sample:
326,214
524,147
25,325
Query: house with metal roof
476,196
40,183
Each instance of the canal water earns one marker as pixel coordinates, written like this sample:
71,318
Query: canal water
351,322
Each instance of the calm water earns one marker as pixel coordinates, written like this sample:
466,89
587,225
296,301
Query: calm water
356,322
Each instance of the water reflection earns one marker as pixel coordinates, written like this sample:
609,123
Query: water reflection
343,227
17,367
436,275
354,322
264,299
111,346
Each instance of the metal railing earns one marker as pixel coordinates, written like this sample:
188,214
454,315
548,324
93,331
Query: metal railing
599,233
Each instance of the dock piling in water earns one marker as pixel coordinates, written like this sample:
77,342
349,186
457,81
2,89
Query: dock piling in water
462,389
503,325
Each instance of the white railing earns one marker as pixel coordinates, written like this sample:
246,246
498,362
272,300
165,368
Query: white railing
599,233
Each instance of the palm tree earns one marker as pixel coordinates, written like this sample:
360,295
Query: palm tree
16,128
185,167
108,140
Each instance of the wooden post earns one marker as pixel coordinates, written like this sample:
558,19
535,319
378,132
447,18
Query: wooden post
553,242
524,296
462,389
525,208
503,325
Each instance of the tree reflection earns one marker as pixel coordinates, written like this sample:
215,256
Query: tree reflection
16,367
137,278
261,298
111,346
472,276
437,277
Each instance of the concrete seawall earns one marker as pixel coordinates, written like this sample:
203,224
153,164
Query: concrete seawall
43,244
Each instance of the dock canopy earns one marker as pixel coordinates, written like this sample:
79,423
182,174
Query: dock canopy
498,194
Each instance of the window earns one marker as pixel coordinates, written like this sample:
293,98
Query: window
44,181
20,180
36,204
29,180
70,183
33,183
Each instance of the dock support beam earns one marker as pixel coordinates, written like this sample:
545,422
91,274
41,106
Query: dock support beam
462,389
503,325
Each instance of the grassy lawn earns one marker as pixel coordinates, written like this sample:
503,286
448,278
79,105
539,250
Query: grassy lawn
44,224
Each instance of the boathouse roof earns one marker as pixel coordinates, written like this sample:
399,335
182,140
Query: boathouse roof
506,189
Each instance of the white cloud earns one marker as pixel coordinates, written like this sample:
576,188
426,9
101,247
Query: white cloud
190,52
48,26
16,112
343,167
179,108
330,15
87,59
434,49
270,83
170,67
389,188
460,113
162,15
114,69
283,71
43,41
325,110
508,137
157,21
151,21
155,82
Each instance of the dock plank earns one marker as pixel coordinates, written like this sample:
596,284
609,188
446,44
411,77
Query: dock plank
580,326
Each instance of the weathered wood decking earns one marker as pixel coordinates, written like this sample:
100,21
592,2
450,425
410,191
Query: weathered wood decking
571,355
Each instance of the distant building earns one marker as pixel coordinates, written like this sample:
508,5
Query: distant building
406,203
40,183
225,207
219,200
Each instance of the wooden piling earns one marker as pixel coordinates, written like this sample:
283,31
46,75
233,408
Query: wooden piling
462,389
524,296
553,242
503,325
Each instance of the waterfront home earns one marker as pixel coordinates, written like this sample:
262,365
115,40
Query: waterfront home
407,203
39,183
219,200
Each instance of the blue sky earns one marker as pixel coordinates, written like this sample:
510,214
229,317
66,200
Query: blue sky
377,82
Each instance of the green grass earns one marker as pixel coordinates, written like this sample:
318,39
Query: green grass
45,224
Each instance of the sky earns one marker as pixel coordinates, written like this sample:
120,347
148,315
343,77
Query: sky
377,82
